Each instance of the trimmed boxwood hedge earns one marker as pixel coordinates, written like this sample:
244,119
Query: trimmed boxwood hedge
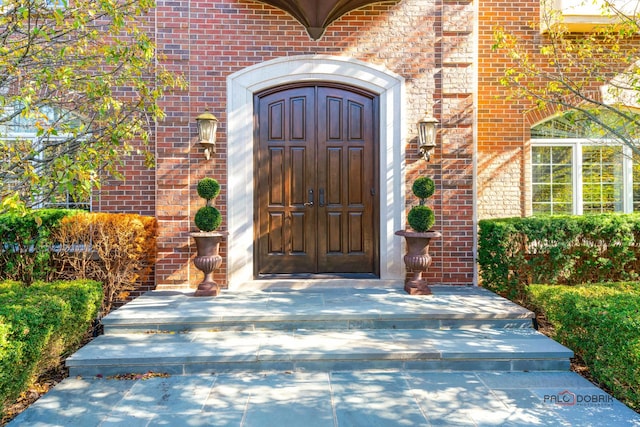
601,324
25,253
39,324
567,250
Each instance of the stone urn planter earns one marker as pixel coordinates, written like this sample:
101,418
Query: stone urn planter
417,259
208,240
420,218
207,260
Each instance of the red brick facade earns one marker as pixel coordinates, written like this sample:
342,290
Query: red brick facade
428,44
501,127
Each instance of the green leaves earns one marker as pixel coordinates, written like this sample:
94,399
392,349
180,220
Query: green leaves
601,324
90,62
38,325
516,252
26,240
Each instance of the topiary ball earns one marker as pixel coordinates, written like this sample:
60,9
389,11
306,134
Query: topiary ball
208,218
423,187
421,218
208,188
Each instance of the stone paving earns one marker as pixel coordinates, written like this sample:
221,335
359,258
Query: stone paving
321,395
331,399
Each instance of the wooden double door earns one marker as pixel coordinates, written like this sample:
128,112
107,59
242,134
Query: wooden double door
316,188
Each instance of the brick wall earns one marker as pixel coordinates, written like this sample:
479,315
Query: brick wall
428,42
501,127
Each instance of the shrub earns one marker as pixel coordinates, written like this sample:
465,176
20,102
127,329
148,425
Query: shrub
208,218
50,244
421,218
26,241
423,187
39,324
567,250
208,188
601,324
118,250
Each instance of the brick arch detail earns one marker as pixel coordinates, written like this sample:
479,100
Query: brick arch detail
538,115
242,85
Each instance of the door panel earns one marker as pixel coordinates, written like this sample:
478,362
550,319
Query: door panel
346,146
316,182
285,162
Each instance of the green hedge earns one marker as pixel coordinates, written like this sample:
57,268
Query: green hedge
569,250
601,324
39,324
26,241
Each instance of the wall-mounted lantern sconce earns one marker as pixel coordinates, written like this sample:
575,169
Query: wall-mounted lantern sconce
207,127
426,136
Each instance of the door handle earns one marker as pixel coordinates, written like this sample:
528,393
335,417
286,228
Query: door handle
321,198
310,202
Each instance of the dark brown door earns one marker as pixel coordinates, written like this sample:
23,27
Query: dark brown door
316,181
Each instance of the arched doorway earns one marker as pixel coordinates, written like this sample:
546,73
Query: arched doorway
243,85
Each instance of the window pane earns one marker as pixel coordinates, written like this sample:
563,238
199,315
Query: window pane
541,173
602,179
552,175
562,193
590,193
541,155
636,182
542,208
561,155
563,174
563,208
541,193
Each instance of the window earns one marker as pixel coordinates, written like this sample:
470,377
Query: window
552,180
18,129
584,15
602,184
575,172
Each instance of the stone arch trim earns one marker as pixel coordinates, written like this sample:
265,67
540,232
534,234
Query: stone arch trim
242,85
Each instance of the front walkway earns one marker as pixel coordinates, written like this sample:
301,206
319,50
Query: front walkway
326,357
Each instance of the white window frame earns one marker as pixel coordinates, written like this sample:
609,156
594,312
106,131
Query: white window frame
577,144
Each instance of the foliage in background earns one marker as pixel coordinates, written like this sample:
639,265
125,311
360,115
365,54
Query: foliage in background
26,241
570,250
40,324
595,74
601,324
79,89
118,250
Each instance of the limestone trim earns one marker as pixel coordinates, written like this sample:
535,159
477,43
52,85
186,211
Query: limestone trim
241,87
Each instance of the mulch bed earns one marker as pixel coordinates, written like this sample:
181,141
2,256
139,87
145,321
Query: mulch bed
46,382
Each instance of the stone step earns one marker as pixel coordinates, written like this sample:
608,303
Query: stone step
315,350
449,308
